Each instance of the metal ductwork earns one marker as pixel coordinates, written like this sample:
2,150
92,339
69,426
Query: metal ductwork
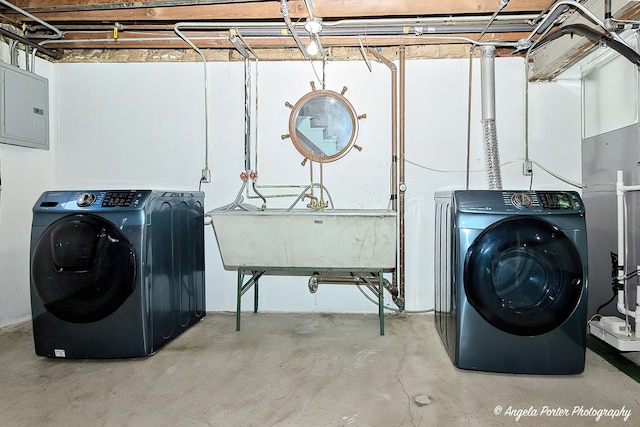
488,83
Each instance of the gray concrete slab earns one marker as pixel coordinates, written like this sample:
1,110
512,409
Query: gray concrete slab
299,369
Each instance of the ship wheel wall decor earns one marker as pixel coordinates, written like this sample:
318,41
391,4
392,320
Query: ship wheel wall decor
323,125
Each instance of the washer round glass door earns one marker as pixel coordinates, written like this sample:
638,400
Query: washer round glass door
82,268
523,275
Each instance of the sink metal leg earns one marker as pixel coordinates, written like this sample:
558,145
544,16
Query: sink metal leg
244,287
240,279
381,302
255,291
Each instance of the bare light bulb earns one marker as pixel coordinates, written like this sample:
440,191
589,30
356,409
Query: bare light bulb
312,47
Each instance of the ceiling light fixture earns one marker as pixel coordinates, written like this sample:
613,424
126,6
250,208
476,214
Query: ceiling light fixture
313,27
312,47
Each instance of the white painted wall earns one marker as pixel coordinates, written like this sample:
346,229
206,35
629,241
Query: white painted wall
25,173
142,125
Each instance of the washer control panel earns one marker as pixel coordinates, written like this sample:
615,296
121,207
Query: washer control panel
109,199
92,200
118,199
115,199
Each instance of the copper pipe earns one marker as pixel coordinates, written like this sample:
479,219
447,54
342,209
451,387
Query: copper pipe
402,184
394,142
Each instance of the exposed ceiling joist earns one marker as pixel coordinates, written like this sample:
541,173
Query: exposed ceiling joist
101,10
149,24
113,24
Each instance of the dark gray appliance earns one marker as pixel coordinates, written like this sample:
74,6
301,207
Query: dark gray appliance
511,280
115,274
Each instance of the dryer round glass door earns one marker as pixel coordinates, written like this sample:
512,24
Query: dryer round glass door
82,268
523,275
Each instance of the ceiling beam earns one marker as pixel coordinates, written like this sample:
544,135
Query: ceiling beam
265,10
41,6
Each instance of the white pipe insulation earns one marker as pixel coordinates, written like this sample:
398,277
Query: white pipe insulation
488,86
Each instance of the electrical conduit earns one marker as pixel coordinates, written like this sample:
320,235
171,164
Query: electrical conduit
206,172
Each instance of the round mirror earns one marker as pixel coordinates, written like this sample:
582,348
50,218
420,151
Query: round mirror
323,126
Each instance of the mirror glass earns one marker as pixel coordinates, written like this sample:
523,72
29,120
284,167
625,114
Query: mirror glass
323,126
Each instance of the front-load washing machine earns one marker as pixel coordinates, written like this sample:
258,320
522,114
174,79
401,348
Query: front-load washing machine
115,274
511,280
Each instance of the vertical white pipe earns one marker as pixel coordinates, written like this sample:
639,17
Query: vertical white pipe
620,191
621,228
637,311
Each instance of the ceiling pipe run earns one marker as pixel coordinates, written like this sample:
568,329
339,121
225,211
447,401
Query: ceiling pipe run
121,40
424,28
406,23
56,32
55,54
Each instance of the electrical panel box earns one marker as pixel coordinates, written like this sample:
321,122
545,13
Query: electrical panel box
24,108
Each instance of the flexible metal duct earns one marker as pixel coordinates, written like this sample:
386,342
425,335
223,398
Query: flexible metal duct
491,154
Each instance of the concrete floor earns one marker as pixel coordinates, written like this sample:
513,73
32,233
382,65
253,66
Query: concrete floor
297,369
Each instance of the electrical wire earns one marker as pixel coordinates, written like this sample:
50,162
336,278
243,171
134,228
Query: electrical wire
608,302
454,170
555,175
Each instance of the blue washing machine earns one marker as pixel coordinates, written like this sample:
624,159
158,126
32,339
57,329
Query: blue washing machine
115,274
511,280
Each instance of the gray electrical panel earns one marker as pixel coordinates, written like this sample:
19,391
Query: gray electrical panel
24,108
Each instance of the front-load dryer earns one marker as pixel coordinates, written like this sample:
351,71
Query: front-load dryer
511,280
115,274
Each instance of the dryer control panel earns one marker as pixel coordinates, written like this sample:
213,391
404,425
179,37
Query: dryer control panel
539,201
501,201
556,200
